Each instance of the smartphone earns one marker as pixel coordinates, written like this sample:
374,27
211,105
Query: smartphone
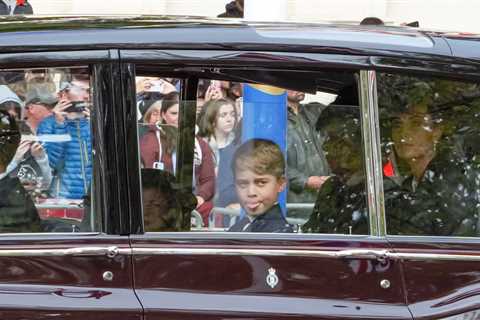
77,107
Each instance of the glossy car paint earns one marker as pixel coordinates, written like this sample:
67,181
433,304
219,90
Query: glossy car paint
438,289
66,287
72,287
185,33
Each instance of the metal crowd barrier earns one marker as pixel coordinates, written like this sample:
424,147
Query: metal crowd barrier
233,214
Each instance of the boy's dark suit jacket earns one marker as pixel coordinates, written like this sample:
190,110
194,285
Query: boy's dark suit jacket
271,221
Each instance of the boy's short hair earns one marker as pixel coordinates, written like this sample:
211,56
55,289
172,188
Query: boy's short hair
261,156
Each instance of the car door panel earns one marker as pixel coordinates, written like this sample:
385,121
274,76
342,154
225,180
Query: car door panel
226,275
316,280
442,279
65,277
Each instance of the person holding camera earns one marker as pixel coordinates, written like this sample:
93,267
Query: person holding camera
17,210
67,139
30,162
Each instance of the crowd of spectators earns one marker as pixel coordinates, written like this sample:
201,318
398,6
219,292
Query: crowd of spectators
215,139
52,158
218,131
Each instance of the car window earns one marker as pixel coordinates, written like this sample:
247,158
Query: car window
429,132
265,159
45,150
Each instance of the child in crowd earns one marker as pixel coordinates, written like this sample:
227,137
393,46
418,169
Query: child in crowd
259,172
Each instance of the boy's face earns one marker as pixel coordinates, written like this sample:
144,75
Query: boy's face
257,192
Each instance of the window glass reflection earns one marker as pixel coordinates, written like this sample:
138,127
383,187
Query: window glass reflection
46,151
431,169
265,159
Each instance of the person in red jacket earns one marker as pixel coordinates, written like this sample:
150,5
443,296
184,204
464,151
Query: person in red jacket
157,143
204,165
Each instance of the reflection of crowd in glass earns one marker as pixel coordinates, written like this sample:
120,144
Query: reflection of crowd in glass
215,139
51,110
325,162
429,140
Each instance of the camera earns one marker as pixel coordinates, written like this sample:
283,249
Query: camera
77,107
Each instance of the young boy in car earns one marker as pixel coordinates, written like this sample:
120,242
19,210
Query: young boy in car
259,173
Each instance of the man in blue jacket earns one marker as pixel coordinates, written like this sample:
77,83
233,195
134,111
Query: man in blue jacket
67,139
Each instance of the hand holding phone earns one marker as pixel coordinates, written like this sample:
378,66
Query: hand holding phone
77,107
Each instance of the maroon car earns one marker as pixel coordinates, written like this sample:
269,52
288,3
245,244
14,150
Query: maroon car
177,168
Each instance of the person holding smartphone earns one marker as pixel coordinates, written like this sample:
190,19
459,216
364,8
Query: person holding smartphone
67,139
30,162
17,210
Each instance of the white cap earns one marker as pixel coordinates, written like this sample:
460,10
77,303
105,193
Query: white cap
6,94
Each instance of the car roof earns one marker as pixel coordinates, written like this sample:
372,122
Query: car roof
36,33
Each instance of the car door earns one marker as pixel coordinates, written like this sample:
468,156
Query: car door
187,265
62,249
432,220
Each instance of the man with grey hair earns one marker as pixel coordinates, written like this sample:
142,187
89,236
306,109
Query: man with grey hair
70,153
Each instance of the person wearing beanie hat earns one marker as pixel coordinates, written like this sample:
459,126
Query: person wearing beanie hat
10,102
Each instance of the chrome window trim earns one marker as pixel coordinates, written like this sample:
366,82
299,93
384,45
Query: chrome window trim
341,254
223,235
372,153
351,253
111,252
432,239
50,234
432,256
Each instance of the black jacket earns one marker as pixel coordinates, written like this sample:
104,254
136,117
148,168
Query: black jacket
17,210
340,208
444,203
271,221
